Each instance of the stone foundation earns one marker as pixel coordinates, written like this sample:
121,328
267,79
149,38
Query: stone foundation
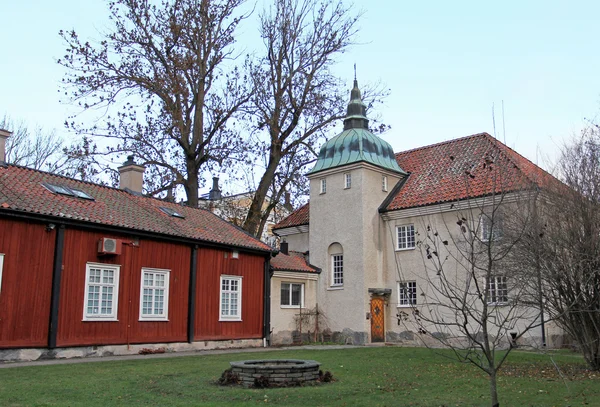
280,372
28,355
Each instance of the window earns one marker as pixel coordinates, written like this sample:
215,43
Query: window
337,267
323,185
347,181
154,295
407,293
292,295
497,290
1,267
101,292
69,191
384,186
490,230
171,212
231,298
406,237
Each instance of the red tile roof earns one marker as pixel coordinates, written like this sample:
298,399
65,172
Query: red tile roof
21,190
297,218
294,261
467,167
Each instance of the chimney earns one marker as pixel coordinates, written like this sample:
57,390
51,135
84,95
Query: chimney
4,134
131,175
283,247
215,192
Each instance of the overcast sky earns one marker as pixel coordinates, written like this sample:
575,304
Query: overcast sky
445,62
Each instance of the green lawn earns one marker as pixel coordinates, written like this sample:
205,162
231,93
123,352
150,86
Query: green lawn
387,376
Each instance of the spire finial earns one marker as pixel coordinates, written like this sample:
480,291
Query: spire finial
356,116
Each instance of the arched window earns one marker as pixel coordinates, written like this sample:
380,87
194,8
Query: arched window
336,265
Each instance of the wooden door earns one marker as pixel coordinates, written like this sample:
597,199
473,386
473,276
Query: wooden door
377,320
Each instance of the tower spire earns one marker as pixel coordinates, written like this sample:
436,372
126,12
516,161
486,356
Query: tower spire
356,115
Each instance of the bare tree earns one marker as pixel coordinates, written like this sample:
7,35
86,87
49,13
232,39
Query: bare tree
41,149
161,72
296,99
568,243
476,299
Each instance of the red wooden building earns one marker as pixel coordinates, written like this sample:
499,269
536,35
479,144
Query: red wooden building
87,265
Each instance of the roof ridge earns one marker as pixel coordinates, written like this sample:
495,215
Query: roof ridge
501,147
443,142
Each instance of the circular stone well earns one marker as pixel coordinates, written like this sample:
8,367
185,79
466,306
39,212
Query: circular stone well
277,371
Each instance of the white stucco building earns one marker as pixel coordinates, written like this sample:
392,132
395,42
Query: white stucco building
369,208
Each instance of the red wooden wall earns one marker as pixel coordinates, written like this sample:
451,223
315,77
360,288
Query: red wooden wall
81,248
27,286
212,263
26,283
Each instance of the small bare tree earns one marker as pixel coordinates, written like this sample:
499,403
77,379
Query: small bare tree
41,149
476,299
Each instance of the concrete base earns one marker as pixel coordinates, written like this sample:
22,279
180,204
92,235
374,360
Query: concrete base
28,355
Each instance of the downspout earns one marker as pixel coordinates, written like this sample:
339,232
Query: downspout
56,281
539,274
267,302
191,323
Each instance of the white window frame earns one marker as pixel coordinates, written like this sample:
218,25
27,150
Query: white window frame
112,316
1,268
323,185
496,231
384,183
497,287
291,305
408,244
347,180
407,293
238,315
163,316
340,276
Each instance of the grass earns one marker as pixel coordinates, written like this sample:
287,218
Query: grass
388,376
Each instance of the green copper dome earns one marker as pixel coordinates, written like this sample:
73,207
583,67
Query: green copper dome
356,143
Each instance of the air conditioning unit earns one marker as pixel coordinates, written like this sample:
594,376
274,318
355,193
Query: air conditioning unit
107,245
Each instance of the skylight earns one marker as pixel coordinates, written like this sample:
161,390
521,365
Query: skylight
172,212
63,190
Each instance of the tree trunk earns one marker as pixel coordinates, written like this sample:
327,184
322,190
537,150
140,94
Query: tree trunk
494,389
191,185
253,220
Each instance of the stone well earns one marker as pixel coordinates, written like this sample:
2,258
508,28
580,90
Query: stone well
278,371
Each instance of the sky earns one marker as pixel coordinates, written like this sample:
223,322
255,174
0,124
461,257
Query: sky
446,63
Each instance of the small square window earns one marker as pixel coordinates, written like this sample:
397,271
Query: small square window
323,185
292,295
406,237
235,254
347,181
490,228
497,290
407,293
